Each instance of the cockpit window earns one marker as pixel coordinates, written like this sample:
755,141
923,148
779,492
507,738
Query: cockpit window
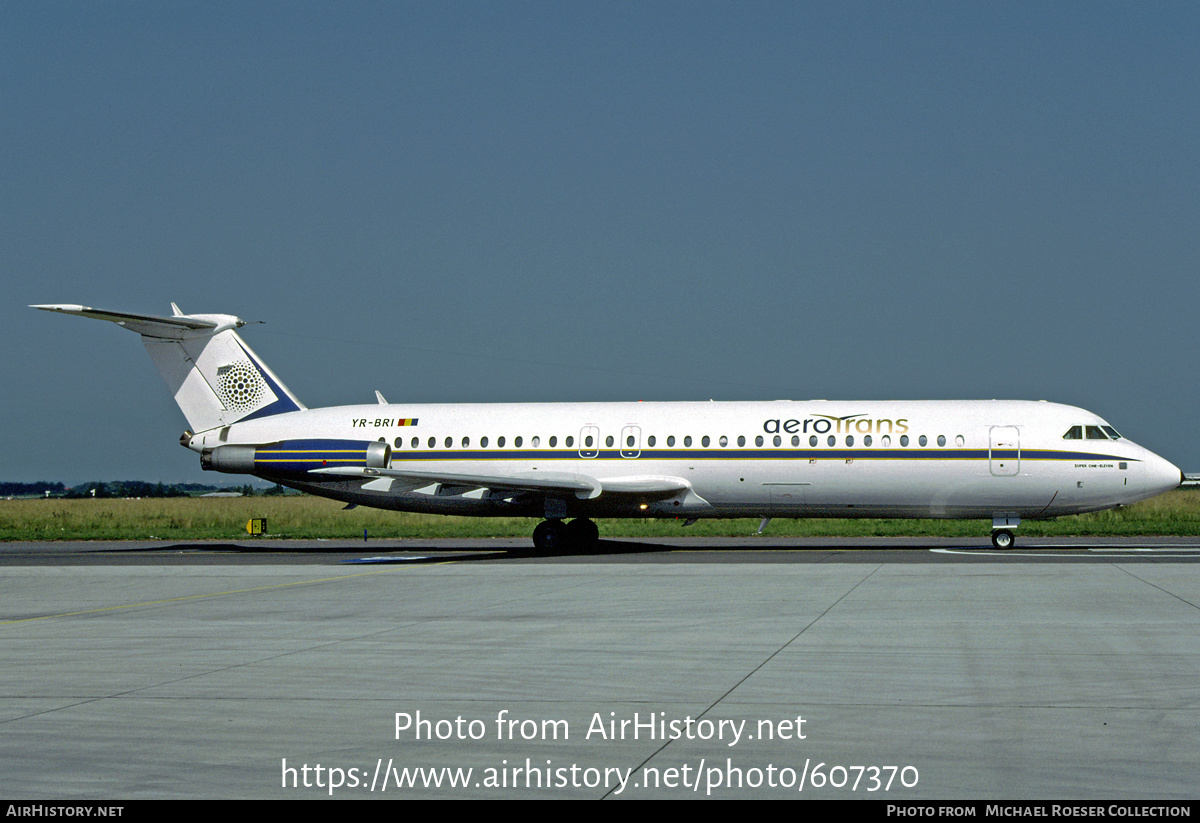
1091,433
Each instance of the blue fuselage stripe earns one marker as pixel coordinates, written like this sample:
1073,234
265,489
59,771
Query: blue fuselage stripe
749,454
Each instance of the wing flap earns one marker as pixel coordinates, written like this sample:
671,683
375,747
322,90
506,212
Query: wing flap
579,485
646,485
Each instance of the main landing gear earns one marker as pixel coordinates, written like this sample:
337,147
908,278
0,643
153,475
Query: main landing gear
1003,539
555,535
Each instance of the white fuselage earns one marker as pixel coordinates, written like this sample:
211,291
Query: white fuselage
1006,460
946,459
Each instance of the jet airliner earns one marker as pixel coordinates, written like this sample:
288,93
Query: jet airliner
569,462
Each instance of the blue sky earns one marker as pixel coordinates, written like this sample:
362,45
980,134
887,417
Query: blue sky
510,201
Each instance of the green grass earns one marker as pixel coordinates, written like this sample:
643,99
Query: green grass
1176,513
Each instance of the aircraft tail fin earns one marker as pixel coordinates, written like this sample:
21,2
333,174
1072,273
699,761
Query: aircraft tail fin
215,377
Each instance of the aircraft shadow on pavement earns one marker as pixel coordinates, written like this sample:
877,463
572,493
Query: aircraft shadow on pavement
602,548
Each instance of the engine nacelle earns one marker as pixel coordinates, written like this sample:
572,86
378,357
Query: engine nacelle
296,456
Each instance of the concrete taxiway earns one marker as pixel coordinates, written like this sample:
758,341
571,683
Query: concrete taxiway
877,669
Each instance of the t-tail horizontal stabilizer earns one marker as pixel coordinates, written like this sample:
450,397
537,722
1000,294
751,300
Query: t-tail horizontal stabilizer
215,377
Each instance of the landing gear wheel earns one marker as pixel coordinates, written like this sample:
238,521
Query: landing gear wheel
1003,539
550,535
582,532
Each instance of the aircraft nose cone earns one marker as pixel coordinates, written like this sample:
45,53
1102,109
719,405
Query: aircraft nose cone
1162,475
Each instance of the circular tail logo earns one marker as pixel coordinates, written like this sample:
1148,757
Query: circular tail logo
240,386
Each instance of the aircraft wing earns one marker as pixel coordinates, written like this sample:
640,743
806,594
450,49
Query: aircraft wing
572,484
582,486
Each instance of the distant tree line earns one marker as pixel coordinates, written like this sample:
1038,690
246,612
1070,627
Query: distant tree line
39,488
128,488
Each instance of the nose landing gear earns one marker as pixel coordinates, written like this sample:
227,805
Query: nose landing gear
1002,530
1003,539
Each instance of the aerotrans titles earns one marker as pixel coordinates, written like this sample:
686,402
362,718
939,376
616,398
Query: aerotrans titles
850,424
